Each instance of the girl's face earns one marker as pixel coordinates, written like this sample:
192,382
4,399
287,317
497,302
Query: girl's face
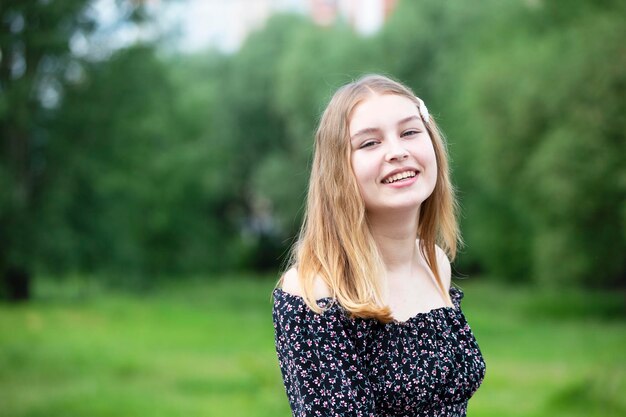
392,157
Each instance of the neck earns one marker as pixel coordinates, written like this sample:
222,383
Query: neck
395,236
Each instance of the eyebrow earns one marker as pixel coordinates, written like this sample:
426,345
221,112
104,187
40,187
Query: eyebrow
369,130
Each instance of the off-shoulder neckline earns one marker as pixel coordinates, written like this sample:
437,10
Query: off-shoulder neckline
414,318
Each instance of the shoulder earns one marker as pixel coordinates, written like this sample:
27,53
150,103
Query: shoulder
292,313
291,283
443,265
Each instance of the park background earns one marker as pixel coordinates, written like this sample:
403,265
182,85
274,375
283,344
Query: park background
149,191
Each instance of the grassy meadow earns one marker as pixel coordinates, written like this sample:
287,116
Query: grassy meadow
198,348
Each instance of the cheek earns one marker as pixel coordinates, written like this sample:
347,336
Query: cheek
361,169
428,155
432,164
433,159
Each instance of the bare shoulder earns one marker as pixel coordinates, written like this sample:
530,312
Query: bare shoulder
292,284
445,270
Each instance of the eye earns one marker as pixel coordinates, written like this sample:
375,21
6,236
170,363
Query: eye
410,132
368,144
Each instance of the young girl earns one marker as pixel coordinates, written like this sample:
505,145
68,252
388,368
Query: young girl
366,323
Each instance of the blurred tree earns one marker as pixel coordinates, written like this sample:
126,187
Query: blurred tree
106,193
143,164
35,66
544,112
249,129
34,54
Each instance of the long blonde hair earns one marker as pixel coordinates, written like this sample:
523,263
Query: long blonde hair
335,243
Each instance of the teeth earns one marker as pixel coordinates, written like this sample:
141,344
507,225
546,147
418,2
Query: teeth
399,176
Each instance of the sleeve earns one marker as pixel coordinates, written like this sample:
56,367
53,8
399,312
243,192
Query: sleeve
457,295
318,361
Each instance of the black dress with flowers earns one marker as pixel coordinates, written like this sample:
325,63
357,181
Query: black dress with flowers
334,365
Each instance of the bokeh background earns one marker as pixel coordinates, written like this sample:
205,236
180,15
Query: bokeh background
153,164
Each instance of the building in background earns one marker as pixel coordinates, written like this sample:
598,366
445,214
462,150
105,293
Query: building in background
222,24
365,16
225,24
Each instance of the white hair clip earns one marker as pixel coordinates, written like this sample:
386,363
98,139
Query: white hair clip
423,110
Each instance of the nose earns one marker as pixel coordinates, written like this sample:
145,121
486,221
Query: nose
396,151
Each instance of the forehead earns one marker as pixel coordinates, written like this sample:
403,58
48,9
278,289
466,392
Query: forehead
379,111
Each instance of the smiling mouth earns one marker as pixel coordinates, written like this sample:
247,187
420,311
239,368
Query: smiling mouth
399,177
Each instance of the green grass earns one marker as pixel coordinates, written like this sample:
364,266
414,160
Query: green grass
201,348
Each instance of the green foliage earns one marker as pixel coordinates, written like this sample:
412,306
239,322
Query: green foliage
34,53
36,67
149,165
547,153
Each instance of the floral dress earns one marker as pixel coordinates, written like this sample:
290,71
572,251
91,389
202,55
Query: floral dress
335,365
